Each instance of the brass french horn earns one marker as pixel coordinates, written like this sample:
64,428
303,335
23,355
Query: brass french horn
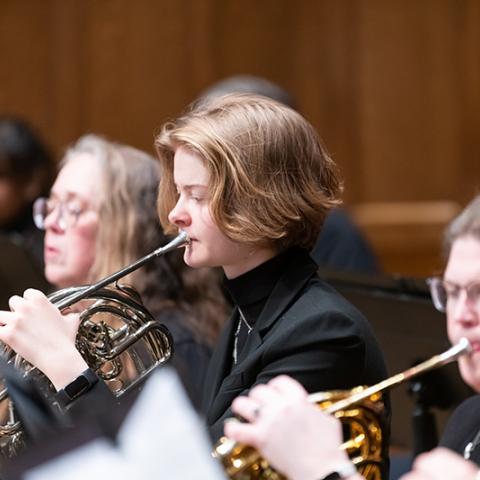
360,408
117,336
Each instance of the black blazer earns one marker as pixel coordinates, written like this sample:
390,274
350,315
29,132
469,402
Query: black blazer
306,330
462,428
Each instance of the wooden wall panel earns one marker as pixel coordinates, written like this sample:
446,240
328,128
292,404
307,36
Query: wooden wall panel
409,100
391,85
326,81
468,28
25,50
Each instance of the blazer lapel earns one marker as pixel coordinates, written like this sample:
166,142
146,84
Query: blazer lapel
284,293
219,363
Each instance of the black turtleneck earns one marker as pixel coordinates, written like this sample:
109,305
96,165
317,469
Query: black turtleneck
250,291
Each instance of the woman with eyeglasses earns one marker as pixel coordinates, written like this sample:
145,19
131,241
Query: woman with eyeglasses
101,216
304,443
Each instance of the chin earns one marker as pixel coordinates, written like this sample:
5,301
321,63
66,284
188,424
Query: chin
57,279
195,261
196,264
471,377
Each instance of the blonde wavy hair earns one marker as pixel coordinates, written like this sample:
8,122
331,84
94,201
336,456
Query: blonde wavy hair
272,181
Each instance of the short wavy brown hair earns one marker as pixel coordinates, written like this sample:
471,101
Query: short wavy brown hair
272,181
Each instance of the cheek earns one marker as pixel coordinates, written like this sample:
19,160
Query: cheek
451,330
206,217
470,371
208,225
80,252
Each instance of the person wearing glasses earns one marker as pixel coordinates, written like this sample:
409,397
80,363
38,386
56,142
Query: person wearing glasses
99,217
303,442
457,294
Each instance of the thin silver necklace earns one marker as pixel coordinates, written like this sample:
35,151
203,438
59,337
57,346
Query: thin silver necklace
471,446
241,320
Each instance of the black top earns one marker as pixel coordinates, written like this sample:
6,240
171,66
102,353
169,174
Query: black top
304,329
341,246
462,428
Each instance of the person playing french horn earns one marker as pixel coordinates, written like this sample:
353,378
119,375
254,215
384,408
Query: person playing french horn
100,216
250,183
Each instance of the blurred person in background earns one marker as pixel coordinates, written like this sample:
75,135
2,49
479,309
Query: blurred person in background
26,172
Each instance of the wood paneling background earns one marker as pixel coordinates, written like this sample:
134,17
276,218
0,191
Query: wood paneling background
391,85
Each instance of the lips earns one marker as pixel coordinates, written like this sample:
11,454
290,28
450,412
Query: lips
475,346
50,252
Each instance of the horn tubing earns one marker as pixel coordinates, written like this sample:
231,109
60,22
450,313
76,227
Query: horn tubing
179,241
463,346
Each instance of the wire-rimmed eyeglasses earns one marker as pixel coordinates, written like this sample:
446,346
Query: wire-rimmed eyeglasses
68,212
444,292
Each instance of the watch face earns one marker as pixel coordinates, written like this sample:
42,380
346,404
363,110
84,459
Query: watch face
76,387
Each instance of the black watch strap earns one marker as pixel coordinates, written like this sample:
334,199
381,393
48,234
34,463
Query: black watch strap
332,476
82,384
345,470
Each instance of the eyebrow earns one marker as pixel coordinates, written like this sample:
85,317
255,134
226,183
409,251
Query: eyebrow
191,187
68,196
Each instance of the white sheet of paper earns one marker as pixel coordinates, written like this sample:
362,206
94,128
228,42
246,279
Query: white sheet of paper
161,438
94,460
164,435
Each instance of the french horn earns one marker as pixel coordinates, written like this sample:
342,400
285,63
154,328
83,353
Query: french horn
117,336
360,409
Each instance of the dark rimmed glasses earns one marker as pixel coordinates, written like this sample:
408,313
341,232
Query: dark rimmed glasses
444,292
68,212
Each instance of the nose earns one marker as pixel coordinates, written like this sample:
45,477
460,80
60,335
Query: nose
179,216
54,220
464,311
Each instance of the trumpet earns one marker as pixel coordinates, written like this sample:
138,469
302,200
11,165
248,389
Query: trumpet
117,336
360,409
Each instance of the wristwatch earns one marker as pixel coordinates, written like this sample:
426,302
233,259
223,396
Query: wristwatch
345,470
82,384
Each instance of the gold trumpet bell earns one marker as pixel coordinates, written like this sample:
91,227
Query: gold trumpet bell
363,423
244,462
361,411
